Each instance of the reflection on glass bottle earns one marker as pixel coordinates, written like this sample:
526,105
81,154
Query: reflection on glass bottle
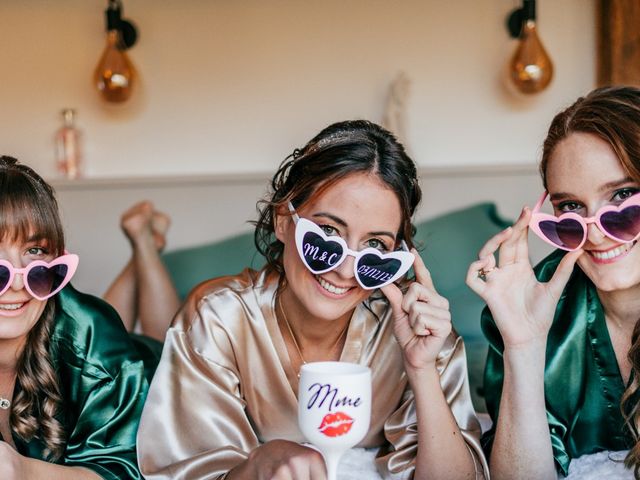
68,148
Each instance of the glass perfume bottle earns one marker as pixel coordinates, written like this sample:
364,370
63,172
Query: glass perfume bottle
68,146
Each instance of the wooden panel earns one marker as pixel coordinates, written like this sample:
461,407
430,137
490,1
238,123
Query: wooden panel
618,23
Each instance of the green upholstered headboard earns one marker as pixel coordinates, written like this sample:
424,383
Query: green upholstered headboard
190,266
448,244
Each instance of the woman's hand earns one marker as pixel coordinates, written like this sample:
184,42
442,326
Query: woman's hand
281,460
12,464
422,321
522,307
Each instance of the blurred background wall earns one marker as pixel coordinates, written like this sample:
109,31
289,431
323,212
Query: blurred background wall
234,86
227,89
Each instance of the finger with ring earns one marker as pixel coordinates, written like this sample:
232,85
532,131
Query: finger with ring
483,272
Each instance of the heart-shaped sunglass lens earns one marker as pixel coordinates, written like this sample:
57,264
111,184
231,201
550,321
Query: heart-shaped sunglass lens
567,233
624,225
5,274
319,254
373,271
42,280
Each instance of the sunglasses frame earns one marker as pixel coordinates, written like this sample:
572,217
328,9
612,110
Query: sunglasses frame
304,226
69,259
537,217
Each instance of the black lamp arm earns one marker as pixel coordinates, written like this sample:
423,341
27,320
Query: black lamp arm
517,17
114,21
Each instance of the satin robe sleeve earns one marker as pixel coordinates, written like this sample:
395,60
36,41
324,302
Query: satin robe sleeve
103,386
397,459
194,424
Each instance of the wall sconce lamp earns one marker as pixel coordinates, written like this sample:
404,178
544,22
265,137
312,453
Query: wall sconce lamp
114,76
530,68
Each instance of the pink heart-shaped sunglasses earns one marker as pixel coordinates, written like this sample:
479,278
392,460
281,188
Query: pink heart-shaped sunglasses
41,279
569,231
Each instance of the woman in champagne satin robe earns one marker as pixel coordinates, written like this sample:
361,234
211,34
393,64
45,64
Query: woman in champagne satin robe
223,402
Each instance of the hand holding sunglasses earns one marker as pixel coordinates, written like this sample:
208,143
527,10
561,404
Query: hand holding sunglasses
522,307
569,231
422,321
41,279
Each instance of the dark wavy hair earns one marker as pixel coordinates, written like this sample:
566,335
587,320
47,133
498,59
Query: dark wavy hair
341,149
612,114
28,209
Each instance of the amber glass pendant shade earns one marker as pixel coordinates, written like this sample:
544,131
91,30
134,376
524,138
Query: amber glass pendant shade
115,75
531,69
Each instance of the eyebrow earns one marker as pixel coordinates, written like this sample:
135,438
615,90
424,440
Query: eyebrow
342,223
36,238
602,188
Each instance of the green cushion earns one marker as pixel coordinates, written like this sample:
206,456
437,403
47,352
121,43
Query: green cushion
190,266
448,244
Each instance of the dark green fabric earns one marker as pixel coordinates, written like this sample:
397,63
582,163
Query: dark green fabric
449,244
583,385
103,385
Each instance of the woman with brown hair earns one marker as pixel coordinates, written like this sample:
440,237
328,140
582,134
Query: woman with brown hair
562,374
71,384
223,403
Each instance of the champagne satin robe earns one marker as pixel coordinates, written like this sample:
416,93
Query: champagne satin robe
225,385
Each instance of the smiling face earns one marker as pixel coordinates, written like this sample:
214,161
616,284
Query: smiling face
19,311
584,175
364,212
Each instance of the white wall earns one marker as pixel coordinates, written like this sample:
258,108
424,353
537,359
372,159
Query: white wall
233,86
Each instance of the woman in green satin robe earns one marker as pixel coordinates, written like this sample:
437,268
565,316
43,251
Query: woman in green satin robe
562,373
72,384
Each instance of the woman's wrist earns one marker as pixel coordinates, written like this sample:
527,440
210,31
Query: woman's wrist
419,374
530,347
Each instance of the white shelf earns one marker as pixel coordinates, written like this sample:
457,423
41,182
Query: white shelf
261,178
159,181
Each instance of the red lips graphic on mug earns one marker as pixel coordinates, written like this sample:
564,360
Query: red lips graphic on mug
336,424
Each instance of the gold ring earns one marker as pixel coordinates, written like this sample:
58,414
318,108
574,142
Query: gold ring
482,273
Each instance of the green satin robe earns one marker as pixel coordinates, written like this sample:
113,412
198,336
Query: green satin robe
583,384
104,377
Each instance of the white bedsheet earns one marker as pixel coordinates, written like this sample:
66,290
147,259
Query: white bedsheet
358,464
599,466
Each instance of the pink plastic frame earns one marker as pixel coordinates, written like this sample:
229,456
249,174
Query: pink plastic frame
537,217
304,226
69,259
